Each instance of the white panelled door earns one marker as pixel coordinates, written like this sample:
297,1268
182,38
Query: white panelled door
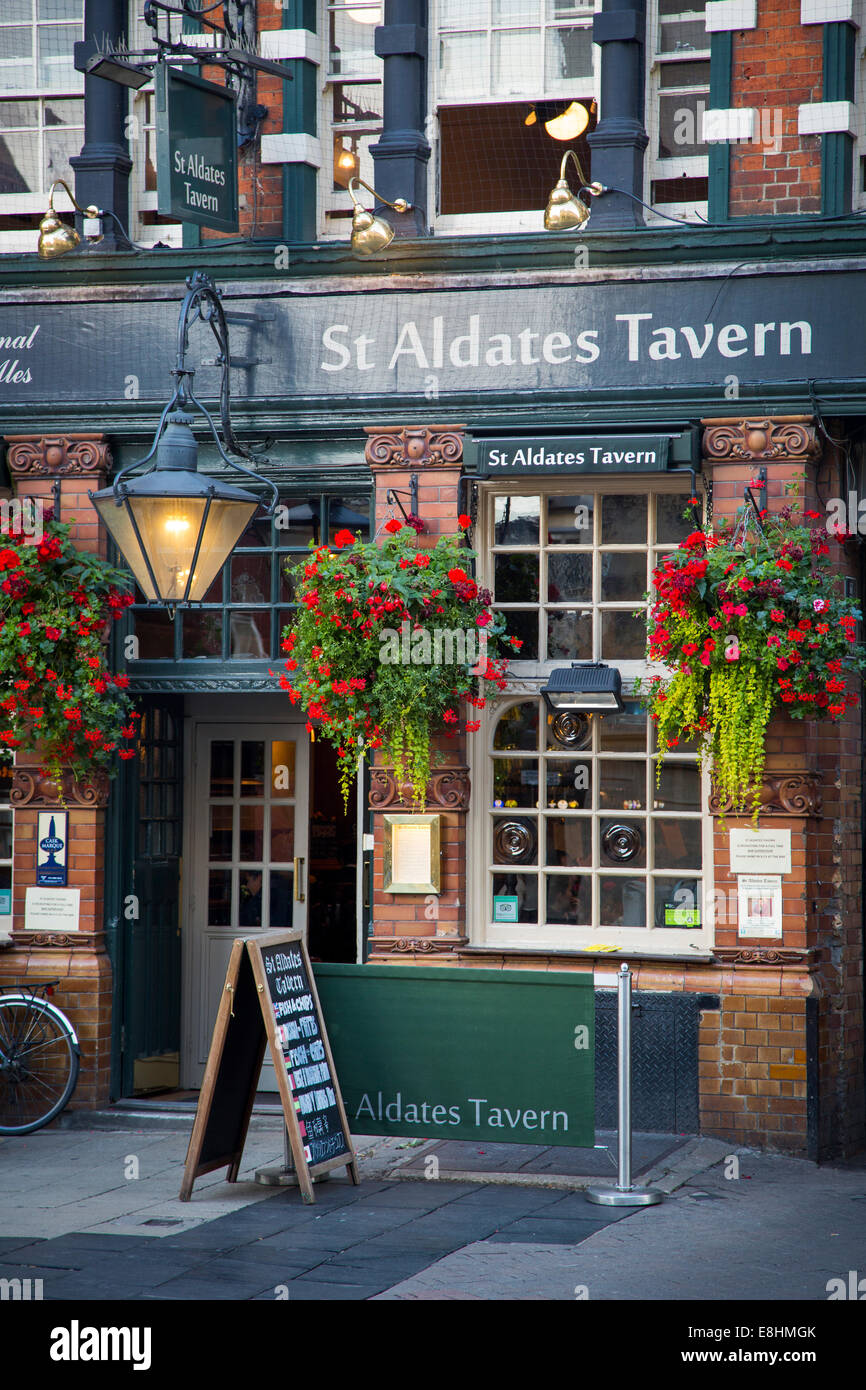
248,860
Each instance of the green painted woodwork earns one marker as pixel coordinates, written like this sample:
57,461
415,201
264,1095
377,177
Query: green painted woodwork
503,1056
837,147
719,157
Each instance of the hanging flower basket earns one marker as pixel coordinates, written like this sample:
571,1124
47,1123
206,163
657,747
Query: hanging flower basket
750,624
389,639
56,694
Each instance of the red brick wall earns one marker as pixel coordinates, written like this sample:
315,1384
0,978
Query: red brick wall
776,67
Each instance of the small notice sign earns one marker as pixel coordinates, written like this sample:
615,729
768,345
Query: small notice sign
52,834
759,905
52,909
760,851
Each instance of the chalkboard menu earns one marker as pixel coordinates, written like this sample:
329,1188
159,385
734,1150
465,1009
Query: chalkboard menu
270,999
306,1059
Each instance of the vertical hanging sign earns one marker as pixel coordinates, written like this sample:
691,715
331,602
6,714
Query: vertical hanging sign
196,150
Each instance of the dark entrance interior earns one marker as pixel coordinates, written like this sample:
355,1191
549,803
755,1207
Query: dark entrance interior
331,922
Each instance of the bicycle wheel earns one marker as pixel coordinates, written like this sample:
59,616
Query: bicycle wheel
38,1063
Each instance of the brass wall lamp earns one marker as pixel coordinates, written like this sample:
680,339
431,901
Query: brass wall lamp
57,237
564,208
370,233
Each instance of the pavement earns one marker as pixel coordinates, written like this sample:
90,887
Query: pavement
93,1213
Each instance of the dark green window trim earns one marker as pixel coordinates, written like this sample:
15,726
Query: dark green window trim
300,116
721,57
837,147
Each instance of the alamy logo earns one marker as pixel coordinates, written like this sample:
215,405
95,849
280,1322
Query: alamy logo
77,1343
20,1290
854,1288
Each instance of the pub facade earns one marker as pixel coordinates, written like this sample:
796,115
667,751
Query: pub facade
587,399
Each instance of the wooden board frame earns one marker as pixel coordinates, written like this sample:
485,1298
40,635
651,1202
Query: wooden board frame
246,955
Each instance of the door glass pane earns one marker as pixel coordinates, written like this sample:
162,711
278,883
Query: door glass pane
252,832
222,763
220,846
250,898
282,768
219,897
569,577
281,904
252,768
282,834
569,899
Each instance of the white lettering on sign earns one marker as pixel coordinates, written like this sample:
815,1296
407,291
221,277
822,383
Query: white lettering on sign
397,1110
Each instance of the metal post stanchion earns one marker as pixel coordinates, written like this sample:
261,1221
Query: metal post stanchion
624,1194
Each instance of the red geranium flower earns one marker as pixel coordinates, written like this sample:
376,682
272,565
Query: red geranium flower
393,526
464,521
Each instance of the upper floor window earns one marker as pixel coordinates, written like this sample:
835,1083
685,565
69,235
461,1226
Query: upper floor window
508,79
36,39
678,52
352,115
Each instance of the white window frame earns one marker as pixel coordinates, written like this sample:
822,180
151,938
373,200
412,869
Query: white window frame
525,680
691,166
42,89
331,200
527,220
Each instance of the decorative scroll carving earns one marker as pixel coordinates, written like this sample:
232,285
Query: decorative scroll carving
412,945
174,684
428,446
776,437
60,939
447,790
759,955
782,794
57,455
31,787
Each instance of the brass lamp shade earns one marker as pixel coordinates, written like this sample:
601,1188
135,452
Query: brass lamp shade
369,233
174,526
55,237
564,209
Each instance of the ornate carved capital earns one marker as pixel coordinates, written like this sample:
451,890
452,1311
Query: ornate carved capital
447,790
414,446
32,788
57,455
760,955
775,437
416,945
782,794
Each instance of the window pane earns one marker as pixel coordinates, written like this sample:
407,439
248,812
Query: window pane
202,634
14,10
359,101
60,146
516,579
569,785
516,521
463,66
623,577
681,75
351,46
569,899
19,168
515,782
623,637
58,9
463,14
518,727
569,577
250,579
671,525
155,635
680,121
16,63
623,520
19,113
515,61
624,731
569,519
350,514
56,67
622,902
300,526
679,788
569,841
623,842
678,36
569,635
515,841
678,902
569,730
568,55
507,12
622,785
524,626
677,843
524,887
250,634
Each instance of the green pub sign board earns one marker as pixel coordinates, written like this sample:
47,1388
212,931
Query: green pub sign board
540,456
196,150
505,1056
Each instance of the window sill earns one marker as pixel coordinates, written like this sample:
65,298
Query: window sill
622,954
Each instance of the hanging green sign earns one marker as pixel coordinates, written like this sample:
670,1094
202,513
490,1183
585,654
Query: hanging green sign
196,150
